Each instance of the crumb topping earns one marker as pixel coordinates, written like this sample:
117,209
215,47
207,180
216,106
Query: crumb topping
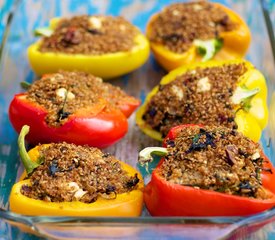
201,96
64,93
77,173
215,158
179,24
93,35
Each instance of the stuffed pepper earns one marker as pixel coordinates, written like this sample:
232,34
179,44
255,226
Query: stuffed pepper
230,93
75,107
63,179
209,171
184,33
102,45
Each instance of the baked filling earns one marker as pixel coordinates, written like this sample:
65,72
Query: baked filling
215,158
91,35
179,24
64,93
200,96
77,173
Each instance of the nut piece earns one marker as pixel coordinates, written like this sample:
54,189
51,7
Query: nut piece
203,85
95,22
197,7
176,13
73,186
255,156
62,92
178,92
79,194
56,76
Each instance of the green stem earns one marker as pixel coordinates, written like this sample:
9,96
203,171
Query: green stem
25,85
208,48
25,158
43,31
145,156
241,94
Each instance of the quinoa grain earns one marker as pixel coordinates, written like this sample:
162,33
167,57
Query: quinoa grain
215,158
91,35
64,93
201,96
179,24
60,178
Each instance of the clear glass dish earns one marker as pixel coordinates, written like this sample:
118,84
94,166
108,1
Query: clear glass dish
30,14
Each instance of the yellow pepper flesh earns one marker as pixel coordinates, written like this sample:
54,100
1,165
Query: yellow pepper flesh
250,123
124,205
105,66
235,45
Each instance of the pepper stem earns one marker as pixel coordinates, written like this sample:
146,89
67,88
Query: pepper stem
145,155
25,85
25,158
241,94
208,48
43,31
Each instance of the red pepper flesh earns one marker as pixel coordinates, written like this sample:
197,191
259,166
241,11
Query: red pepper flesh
128,105
95,127
163,198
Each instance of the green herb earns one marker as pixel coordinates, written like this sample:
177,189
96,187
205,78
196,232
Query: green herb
40,160
62,114
243,96
258,174
25,85
198,145
208,48
242,93
43,31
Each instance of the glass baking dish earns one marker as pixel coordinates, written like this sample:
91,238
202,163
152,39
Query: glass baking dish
30,14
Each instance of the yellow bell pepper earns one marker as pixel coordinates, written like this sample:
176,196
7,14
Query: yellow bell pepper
105,66
125,205
235,44
250,118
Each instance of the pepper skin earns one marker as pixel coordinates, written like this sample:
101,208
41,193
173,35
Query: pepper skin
124,205
235,45
250,121
98,125
167,199
105,66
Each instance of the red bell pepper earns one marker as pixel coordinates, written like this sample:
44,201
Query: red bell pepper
99,126
128,105
163,198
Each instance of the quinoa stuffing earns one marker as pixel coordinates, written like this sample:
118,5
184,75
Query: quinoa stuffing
95,35
77,173
200,96
179,24
64,93
215,158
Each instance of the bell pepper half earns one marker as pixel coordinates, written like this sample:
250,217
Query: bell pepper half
251,113
99,125
124,205
163,198
234,45
105,66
